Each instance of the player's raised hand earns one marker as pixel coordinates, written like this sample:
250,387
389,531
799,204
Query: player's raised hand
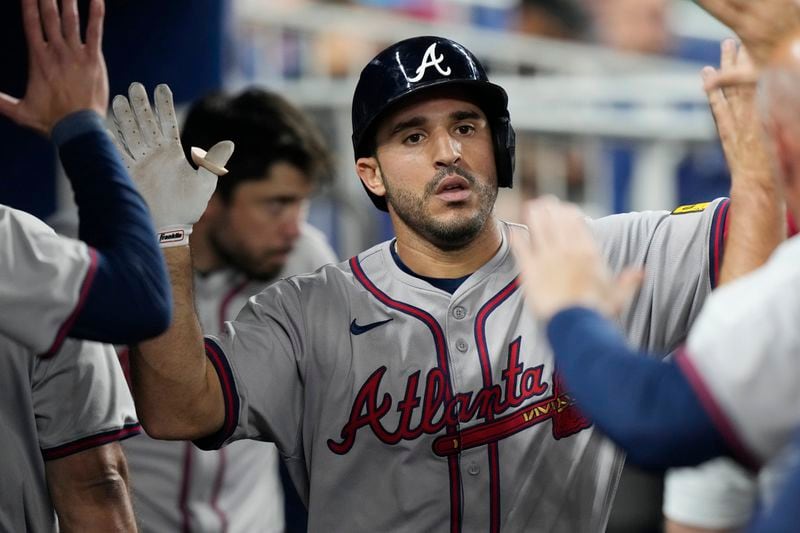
562,267
759,24
736,115
149,140
755,186
65,74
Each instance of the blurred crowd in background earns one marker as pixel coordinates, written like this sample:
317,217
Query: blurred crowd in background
605,96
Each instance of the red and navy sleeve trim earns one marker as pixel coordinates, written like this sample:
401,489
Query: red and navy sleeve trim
67,325
715,412
93,441
716,240
229,394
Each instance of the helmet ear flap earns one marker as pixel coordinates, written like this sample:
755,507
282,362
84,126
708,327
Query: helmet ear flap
504,151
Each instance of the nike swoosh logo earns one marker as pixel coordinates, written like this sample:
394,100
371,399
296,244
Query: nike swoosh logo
356,329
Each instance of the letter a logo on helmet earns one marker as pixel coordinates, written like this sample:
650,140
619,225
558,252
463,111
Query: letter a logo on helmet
428,60
385,84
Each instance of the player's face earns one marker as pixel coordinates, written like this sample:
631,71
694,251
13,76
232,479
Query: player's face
257,229
436,160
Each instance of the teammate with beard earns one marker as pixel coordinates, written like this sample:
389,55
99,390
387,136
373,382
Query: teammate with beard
252,233
409,387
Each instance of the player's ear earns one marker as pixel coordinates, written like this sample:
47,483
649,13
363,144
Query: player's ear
369,171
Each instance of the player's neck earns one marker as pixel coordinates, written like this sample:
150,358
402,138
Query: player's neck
426,259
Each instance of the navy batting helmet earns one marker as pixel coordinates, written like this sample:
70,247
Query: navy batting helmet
417,64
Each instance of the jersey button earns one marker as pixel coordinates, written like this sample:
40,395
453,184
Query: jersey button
459,312
473,469
461,345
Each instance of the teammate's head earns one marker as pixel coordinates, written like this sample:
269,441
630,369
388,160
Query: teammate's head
254,217
432,137
780,107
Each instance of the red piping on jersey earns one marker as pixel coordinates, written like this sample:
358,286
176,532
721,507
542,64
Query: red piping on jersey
128,430
229,395
183,497
719,232
222,317
486,370
442,361
218,480
85,286
718,416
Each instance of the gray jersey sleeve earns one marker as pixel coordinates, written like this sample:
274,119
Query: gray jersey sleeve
680,252
44,278
258,358
81,399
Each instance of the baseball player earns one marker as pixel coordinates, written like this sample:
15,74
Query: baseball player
732,390
720,495
61,418
409,387
252,233
54,287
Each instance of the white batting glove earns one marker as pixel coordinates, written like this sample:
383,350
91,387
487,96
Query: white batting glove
150,144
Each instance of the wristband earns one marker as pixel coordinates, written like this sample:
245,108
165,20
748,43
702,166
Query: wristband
173,236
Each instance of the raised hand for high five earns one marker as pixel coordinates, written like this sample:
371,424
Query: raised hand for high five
561,266
65,74
736,114
756,223
149,141
760,24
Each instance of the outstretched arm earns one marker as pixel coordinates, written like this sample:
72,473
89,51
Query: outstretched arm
645,405
177,391
66,98
757,216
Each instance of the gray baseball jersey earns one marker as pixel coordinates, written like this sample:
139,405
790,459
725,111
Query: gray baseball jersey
45,276
51,408
742,357
402,407
178,487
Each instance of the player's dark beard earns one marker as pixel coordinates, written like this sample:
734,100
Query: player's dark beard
242,261
445,235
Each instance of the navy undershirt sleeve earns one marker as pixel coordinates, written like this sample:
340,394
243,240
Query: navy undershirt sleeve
130,297
646,406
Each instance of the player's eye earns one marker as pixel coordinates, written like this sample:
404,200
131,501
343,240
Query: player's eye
274,207
414,138
465,129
